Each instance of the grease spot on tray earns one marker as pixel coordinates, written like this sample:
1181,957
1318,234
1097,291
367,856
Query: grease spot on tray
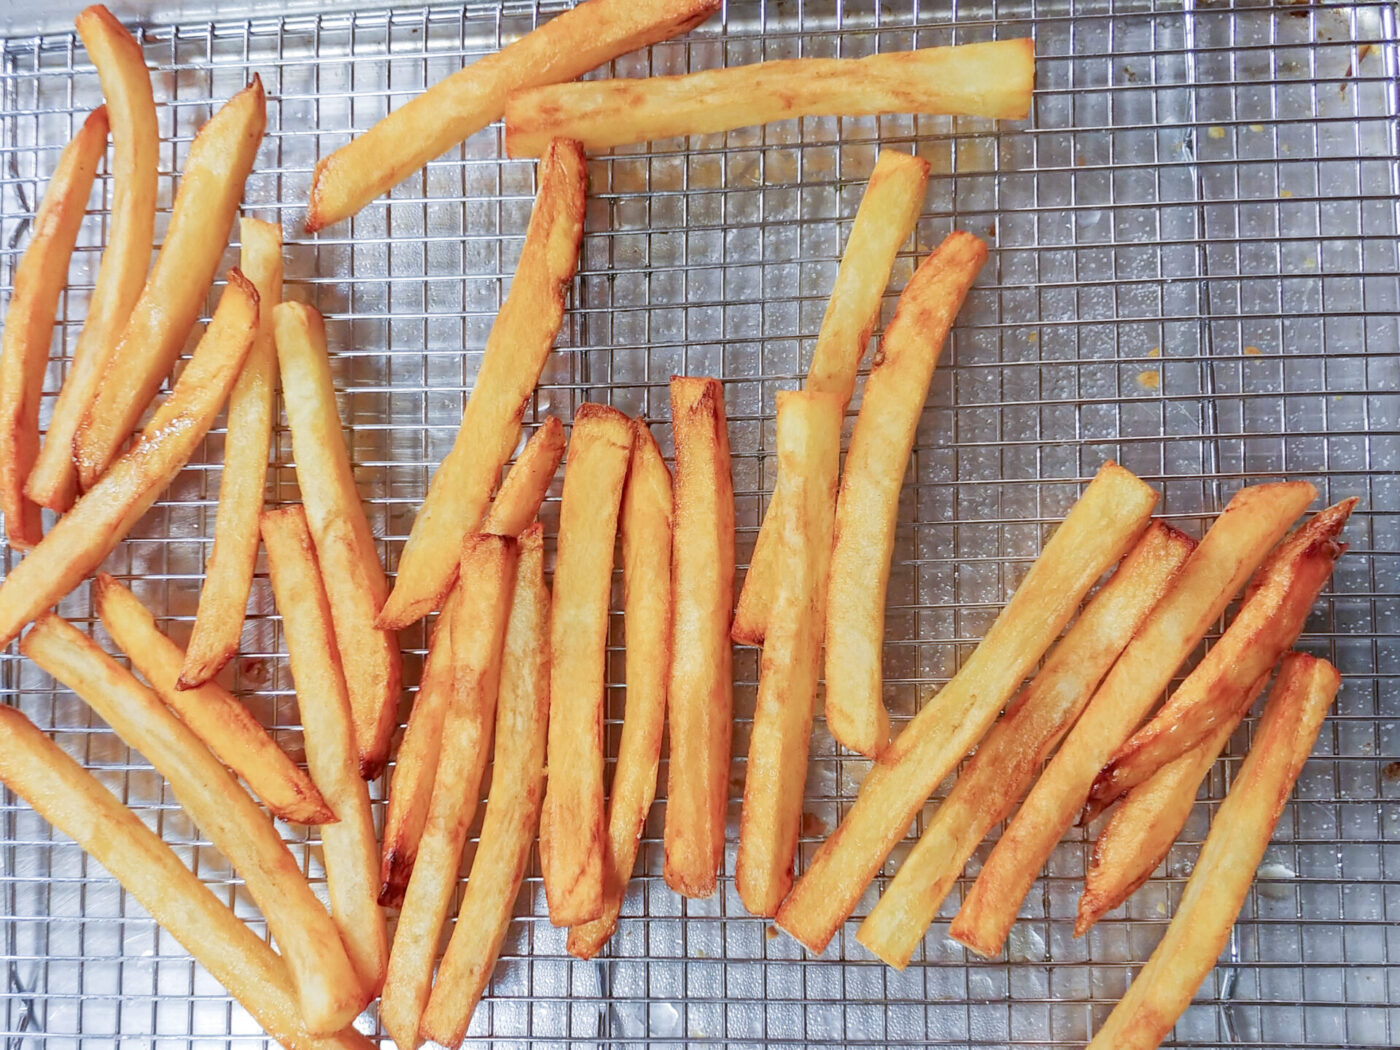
1391,772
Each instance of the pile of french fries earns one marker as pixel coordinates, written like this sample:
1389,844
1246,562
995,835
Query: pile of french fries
516,670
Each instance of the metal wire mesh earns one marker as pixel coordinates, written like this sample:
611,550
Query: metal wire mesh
1194,271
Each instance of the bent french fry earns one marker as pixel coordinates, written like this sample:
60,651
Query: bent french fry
1101,527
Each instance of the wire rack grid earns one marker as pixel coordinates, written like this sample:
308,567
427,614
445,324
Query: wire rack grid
1194,271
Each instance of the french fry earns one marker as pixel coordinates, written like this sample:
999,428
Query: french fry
1101,527
478,631
809,459
326,986
1228,860
526,484
348,844
700,691
228,575
1014,750
868,505
512,809
224,725
516,350
992,79
71,799
78,541
893,198
1255,519
131,109
353,575
572,842
40,278
210,188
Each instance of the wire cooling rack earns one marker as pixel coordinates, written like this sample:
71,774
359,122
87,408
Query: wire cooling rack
1194,271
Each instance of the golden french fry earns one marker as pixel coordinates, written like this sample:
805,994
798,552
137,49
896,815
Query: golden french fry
512,809
893,198
1238,837
40,278
210,188
526,484
325,982
1008,759
572,840
131,108
79,540
516,350
1101,527
1252,523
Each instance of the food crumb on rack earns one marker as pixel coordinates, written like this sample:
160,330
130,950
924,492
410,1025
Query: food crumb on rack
1216,131
1149,379
1253,351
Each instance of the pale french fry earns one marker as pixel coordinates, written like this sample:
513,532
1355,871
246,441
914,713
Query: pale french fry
1007,760
228,575
512,809
131,108
645,526
809,459
868,506
890,207
1228,860
72,800
1101,527
1253,522
353,575
79,540
225,726
478,631
348,844
40,278
210,188
325,982
572,842
526,484
700,691
992,79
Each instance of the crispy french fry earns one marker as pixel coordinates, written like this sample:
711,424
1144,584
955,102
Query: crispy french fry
228,575
1252,523
893,198
131,109
1007,760
72,800
868,506
1228,860
645,526
700,691
992,79
348,844
478,631
40,278
325,982
210,188
526,484
353,575
809,459
572,841
224,725
512,809
78,542
1100,528
516,349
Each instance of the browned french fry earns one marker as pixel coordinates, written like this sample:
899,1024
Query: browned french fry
893,198
78,542
40,278
1228,860
700,691
1253,522
210,188
526,484
1100,528
516,349
512,810
325,982
992,79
